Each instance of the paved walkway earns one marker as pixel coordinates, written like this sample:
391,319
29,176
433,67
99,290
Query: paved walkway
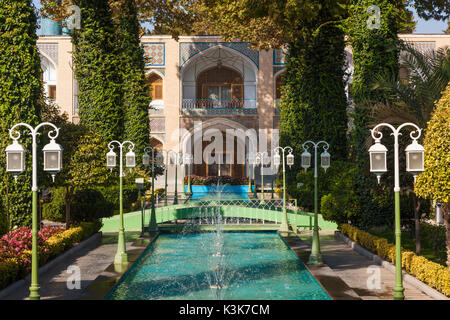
353,269
91,261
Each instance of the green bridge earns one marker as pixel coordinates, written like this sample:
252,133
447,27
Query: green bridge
256,215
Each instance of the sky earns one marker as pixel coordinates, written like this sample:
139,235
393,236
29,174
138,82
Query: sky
430,26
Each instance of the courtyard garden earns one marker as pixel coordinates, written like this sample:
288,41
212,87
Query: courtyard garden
358,154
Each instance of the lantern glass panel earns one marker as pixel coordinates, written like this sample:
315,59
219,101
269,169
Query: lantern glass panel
306,159
159,159
52,161
146,159
290,159
415,161
15,161
325,160
111,159
378,162
130,160
276,159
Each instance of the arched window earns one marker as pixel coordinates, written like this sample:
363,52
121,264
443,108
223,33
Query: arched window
279,82
156,84
49,78
155,143
220,87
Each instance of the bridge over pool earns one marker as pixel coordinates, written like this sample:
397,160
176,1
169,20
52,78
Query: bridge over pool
244,214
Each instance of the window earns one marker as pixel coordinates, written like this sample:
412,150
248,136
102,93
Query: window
52,92
279,82
220,87
156,84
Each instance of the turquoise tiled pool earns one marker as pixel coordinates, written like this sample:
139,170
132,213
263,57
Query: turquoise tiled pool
253,265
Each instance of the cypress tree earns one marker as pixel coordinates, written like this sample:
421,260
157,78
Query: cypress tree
135,90
314,101
97,69
20,99
375,53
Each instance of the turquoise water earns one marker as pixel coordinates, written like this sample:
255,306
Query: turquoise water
212,192
253,265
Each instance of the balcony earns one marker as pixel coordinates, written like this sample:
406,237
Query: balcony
219,106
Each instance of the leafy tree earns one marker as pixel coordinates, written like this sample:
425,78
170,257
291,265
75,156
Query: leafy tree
434,182
97,66
447,31
432,9
20,99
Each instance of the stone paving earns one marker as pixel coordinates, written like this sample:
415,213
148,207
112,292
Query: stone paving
352,268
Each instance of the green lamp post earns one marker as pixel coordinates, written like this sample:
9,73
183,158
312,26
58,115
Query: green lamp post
414,165
315,257
165,174
152,227
140,186
175,159
15,164
188,159
260,161
289,160
130,162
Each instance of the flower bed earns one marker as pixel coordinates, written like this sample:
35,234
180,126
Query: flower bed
214,180
15,248
431,273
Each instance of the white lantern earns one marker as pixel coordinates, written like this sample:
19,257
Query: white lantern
378,159
258,160
290,160
277,159
180,159
159,159
15,159
146,159
52,158
111,159
414,158
130,159
306,160
325,160
140,183
187,158
173,159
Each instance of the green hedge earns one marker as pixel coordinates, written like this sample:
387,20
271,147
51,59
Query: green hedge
111,194
87,205
431,273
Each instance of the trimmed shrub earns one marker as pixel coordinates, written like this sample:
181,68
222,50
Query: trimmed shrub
90,205
111,195
55,209
431,273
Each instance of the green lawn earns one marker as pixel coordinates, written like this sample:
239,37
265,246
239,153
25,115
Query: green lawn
409,243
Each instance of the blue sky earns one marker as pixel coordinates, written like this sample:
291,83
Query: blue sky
431,26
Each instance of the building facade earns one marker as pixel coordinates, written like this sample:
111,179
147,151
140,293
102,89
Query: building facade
200,82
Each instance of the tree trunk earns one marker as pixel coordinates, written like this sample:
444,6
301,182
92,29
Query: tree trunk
446,212
417,203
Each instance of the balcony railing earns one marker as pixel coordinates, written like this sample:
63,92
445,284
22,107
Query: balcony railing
222,106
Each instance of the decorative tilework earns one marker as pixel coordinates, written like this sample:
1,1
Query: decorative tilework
50,49
279,57
190,49
157,125
423,46
155,53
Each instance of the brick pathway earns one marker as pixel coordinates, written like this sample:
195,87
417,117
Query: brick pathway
352,268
